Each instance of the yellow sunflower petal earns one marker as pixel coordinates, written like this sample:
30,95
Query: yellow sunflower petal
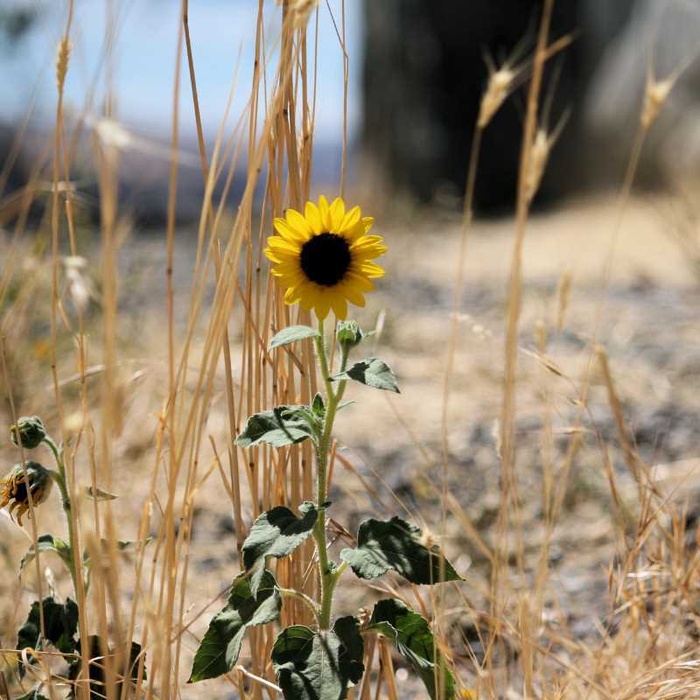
355,232
299,224
325,213
313,216
323,305
270,255
368,245
359,281
367,221
280,257
354,295
337,212
369,240
289,232
372,269
340,307
292,295
350,219
282,244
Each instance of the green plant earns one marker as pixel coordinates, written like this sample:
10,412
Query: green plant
50,622
323,259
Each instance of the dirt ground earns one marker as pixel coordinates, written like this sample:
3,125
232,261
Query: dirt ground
632,290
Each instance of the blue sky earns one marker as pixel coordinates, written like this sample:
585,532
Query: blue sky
144,36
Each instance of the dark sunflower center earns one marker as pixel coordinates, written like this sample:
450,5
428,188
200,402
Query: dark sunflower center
325,259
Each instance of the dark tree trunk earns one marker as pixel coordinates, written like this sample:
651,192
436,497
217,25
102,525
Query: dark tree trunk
424,75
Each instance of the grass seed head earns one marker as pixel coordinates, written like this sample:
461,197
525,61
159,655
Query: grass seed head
539,155
655,96
62,60
300,11
497,90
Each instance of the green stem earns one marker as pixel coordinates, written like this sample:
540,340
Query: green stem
60,478
329,577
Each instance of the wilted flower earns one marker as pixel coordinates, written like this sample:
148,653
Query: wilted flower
14,492
29,432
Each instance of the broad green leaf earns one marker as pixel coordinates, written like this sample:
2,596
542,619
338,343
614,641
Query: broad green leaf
413,639
60,626
48,543
394,545
283,425
372,372
277,533
99,494
318,665
221,644
347,629
289,335
96,673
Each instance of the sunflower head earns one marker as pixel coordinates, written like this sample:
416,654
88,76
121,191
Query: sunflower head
323,257
16,487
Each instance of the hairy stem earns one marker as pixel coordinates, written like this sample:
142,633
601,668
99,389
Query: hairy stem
60,478
329,577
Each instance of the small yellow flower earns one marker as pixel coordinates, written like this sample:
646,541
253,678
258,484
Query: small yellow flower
13,488
323,258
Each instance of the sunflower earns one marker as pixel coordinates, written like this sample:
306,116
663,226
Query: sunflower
14,491
323,257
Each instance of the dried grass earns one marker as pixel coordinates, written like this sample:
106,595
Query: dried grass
151,418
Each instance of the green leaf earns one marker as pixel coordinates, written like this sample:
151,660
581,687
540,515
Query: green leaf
413,639
394,545
99,494
60,626
96,654
317,407
48,543
221,645
347,629
372,372
277,533
289,335
283,425
318,665
33,695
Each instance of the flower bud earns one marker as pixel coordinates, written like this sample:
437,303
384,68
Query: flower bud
29,431
22,481
349,334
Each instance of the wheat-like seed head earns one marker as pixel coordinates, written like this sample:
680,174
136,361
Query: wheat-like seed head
300,11
62,59
655,96
539,155
498,88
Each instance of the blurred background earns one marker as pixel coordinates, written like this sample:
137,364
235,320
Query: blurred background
417,73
